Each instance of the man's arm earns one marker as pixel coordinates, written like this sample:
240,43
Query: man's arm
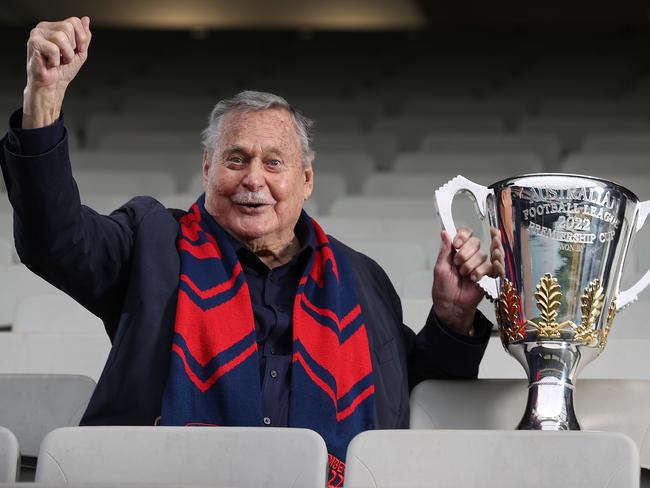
71,246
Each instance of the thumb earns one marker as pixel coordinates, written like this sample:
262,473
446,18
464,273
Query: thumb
445,254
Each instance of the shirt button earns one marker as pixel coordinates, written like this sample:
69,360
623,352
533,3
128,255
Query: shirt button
267,421
274,373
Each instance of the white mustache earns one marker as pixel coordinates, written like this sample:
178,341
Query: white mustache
253,198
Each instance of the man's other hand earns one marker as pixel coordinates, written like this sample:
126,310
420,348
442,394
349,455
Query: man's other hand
459,266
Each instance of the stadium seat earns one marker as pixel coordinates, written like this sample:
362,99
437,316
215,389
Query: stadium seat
410,129
363,207
608,164
595,108
414,185
609,142
482,458
423,232
246,457
397,259
353,165
489,167
571,129
383,146
9,456
624,359
77,354
604,405
547,146
17,283
32,405
111,181
6,252
127,140
508,109
54,314
181,164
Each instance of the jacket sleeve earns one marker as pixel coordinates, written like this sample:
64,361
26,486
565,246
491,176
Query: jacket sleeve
84,254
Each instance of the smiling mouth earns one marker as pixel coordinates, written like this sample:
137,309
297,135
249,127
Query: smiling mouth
253,205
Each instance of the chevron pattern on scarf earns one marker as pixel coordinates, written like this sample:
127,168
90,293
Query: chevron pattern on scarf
214,369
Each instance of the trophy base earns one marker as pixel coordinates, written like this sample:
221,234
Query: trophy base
550,406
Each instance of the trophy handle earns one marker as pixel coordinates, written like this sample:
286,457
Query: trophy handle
630,295
444,197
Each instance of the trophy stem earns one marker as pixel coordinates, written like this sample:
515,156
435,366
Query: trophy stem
550,406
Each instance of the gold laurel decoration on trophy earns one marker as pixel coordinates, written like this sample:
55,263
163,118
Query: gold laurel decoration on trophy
549,298
611,313
508,313
592,301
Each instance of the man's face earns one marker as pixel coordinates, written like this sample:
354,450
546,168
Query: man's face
254,182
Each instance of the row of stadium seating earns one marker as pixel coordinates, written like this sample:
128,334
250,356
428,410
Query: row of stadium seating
460,435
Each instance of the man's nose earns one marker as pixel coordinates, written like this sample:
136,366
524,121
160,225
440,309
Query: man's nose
254,177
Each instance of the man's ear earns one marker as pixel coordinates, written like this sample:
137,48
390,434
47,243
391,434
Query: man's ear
309,180
205,167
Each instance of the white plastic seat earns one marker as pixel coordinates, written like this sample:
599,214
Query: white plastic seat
32,405
398,259
80,354
126,140
572,130
246,457
6,252
415,312
353,165
608,142
9,456
410,129
382,146
609,164
492,166
423,232
7,224
106,182
181,164
388,207
622,359
507,108
411,185
55,314
601,405
482,458
547,146
597,108
327,188
16,283
99,123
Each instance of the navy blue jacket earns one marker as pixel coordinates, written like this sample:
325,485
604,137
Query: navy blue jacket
125,269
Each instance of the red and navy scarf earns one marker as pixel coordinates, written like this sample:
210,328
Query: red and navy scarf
214,376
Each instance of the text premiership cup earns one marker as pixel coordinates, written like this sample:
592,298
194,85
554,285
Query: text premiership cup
565,239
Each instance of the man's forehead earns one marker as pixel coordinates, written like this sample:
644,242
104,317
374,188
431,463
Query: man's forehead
272,128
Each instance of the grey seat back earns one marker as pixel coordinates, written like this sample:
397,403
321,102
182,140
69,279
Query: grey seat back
490,458
32,405
221,456
9,456
605,405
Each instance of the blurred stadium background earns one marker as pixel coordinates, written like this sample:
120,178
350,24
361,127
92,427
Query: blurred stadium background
405,94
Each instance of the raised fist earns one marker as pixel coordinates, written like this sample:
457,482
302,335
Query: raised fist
55,53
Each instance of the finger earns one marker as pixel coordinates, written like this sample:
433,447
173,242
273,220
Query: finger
480,271
469,248
48,51
498,270
82,37
462,235
60,38
468,267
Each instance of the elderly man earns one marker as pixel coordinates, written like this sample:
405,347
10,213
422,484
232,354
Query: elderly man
242,310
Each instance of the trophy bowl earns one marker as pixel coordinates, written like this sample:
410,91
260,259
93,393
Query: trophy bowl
564,240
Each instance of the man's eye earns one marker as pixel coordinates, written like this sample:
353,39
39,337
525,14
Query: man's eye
234,159
274,163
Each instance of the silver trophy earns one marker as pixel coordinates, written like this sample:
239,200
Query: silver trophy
565,239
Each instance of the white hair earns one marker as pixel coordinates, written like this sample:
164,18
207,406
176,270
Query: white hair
253,101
